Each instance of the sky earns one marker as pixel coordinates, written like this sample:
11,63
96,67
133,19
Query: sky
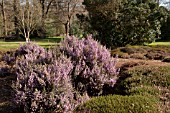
163,3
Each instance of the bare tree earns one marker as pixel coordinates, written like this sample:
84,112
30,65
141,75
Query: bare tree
28,17
2,4
45,7
66,10
16,5
23,16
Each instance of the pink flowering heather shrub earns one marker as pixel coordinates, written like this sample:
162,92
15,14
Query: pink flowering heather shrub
30,48
43,83
49,82
30,51
45,88
93,66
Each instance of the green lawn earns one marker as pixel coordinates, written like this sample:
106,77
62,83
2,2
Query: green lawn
10,45
160,44
46,42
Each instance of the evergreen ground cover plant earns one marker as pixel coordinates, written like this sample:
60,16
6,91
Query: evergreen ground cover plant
58,79
143,52
139,89
119,104
147,81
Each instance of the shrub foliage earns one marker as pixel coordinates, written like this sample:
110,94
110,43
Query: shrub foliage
118,104
49,81
93,65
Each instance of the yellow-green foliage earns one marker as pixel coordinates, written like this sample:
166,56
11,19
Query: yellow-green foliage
150,75
119,104
144,79
148,81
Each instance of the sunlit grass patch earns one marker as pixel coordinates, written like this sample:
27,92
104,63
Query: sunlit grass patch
46,42
160,44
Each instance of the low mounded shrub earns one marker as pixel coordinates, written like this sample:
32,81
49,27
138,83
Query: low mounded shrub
119,104
138,56
149,76
142,52
145,90
149,81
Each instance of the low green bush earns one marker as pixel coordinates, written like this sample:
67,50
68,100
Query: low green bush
142,52
119,104
141,76
149,75
148,81
145,91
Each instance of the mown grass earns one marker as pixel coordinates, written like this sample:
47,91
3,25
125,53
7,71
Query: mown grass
160,44
46,42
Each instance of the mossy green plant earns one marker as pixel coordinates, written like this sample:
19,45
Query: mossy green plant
119,104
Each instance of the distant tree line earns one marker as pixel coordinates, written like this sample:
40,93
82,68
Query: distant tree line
38,18
119,23
112,22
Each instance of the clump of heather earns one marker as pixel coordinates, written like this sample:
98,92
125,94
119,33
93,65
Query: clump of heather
93,66
9,58
32,53
30,48
43,82
45,88
46,80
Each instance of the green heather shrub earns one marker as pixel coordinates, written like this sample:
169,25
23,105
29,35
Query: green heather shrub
138,56
148,81
150,75
142,52
146,77
119,104
144,90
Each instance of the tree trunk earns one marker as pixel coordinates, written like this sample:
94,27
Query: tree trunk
44,10
43,18
66,25
15,7
27,37
4,18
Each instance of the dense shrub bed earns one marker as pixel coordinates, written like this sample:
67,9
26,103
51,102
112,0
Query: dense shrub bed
147,88
60,78
148,81
149,75
63,77
143,52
